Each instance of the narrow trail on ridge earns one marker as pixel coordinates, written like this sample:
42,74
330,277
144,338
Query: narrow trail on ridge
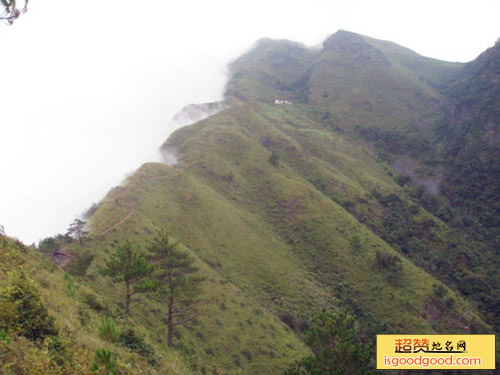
121,221
130,206
130,212
62,257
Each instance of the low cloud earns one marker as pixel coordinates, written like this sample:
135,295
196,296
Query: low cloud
87,93
188,115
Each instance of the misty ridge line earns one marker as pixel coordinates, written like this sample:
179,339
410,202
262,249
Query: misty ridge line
182,118
193,113
188,115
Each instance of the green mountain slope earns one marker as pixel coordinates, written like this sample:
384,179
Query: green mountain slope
315,229
434,123
272,232
235,333
271,69
473,140
50,322
344,200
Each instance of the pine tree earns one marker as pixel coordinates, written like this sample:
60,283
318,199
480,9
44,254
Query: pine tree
176,282
77,230
129,266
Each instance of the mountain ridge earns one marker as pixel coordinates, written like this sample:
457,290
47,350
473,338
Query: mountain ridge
290,209
319,147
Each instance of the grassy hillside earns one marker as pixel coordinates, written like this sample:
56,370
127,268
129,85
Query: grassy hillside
271,69
234,334
387,94
274,237
300,197
288,210
50,323
434,123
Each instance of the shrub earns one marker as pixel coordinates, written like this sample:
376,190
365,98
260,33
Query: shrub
79,266
22,310
83,316
103,364
439,291
402,180
295,323
442,297
4,336
201,336
129,339
237,360
107,330
274,159
336,347
356,242
450,303
246,353
48,245
70,288
388,262
93,301
20,356
392,265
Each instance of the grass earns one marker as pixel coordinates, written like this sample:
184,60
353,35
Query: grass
77,322
276,240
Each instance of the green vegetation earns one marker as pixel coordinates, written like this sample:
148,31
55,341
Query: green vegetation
108,330
129,266
31,342
337,349
70,287
103,364
23,313
77,230
131,340
471,180
175,281
352,199
44,330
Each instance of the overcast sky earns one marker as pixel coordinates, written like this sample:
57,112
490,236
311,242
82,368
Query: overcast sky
86,93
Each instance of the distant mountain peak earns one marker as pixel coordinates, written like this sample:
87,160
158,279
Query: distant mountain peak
343,39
